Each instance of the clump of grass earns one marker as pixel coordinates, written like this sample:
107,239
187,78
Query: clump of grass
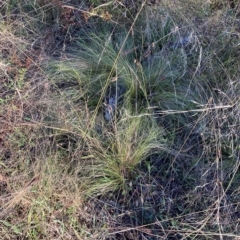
116,157
115,148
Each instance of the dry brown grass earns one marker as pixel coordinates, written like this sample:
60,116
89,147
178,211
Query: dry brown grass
167,167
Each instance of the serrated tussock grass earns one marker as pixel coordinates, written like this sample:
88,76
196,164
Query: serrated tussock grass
114,162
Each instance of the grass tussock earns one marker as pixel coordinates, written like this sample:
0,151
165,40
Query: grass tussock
119,119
